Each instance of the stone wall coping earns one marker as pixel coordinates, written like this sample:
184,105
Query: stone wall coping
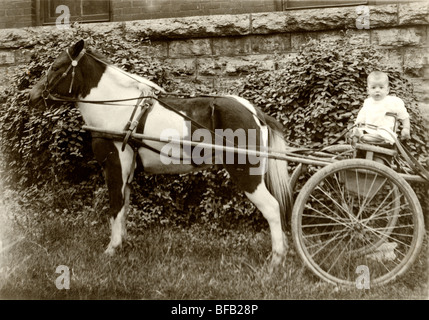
381,16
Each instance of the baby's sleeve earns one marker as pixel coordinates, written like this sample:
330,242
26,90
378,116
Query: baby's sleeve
361,117
401,111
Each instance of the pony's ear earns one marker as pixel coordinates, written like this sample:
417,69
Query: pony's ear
77,48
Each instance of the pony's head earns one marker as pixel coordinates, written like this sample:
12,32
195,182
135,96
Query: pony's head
72,75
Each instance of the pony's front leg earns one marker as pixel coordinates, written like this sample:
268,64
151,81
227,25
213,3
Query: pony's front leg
118,223
118,168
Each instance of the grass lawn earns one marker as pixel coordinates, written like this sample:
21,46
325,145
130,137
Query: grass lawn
162,262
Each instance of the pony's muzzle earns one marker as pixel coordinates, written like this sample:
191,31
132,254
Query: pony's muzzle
36,94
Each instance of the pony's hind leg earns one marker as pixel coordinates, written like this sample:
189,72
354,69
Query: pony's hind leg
270,209
118,168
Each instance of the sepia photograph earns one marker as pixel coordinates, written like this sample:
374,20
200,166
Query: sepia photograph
217,158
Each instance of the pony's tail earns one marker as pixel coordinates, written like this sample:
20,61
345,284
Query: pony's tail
277,177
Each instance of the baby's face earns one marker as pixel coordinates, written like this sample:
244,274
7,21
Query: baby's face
378,89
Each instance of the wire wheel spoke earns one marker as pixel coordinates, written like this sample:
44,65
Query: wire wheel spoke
353,213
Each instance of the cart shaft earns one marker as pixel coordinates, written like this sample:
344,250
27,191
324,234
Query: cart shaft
271,154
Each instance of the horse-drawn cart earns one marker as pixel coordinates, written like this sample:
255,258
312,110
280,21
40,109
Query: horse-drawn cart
353,214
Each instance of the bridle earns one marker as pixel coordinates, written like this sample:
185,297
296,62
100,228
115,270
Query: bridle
46,93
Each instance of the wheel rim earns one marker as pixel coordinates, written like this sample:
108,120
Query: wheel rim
357,214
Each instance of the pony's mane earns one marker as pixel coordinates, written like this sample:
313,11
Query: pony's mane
138,78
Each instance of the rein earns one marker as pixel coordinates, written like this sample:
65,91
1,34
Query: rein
131,125
106,102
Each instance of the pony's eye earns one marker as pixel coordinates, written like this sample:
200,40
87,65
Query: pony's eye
55,68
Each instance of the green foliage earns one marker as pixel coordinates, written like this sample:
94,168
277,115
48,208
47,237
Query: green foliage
47,155
49,146
43,146
207,197
318,94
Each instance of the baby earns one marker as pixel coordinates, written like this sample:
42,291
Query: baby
376,108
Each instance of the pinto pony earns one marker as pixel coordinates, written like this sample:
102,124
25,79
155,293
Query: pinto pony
111,99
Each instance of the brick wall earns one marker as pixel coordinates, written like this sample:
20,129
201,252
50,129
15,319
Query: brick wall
22,13
218,49
16,14
27,13
125,10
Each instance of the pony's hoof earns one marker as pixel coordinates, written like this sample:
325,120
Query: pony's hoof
276,262
109,251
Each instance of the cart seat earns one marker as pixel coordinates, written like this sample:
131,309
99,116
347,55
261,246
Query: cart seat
374,139
373,146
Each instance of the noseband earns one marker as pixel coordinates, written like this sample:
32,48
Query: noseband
46,93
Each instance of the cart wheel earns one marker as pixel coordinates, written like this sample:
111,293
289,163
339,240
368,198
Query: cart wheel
357,213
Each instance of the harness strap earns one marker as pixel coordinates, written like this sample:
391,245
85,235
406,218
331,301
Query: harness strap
139,100
74,63
132,124
165,104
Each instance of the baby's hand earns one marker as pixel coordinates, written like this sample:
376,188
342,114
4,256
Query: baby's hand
356,132
405,134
